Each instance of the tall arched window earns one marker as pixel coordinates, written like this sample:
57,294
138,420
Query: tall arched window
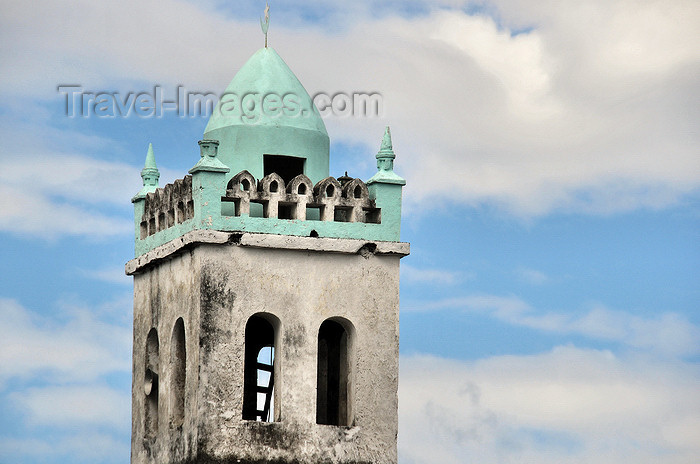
259,368
178,363
150,384
334,392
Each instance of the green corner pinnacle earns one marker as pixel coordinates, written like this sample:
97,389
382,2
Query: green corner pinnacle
150,159
149,174
385,163
386,150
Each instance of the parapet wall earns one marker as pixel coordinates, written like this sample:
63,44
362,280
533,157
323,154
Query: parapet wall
166,207
328,200
336,208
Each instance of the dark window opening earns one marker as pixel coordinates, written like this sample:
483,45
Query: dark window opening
373,215
259,370
178,366
161,221
245,185
150,384
274,186
333,375
341,214
171,217
286,210
301,190
287,167
330,190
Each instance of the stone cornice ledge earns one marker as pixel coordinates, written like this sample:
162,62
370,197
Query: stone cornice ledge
254,240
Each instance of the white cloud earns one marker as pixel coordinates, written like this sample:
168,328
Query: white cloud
53,374
88,447
82,348
430,276
586,111
35,214
75,405
532,276
565,406
667,333
113,275
62,190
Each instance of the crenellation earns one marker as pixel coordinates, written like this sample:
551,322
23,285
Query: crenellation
349,203
167,206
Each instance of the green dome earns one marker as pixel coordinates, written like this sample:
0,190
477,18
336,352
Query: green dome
266,122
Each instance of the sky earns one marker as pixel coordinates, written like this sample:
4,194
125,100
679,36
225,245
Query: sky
549,307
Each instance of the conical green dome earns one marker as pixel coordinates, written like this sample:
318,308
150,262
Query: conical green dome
266,113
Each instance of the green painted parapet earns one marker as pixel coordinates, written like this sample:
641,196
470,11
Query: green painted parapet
210,198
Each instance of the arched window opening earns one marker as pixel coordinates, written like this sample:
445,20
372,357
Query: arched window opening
150,384
178,364
334,376
259,369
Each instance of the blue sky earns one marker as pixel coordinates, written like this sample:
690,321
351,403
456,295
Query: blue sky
550,302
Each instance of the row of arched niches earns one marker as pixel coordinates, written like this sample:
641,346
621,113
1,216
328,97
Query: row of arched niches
340,200
334,374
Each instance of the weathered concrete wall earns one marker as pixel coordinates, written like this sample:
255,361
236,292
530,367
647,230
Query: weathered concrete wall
216,288
162,295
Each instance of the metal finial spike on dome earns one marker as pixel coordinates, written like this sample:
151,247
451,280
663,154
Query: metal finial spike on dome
264,25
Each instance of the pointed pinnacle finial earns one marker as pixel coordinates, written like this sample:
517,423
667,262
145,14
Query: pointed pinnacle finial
150,158
386,142
264,25
385,163
150,173
386,152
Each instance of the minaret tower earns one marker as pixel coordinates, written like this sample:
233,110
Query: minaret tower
266,293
